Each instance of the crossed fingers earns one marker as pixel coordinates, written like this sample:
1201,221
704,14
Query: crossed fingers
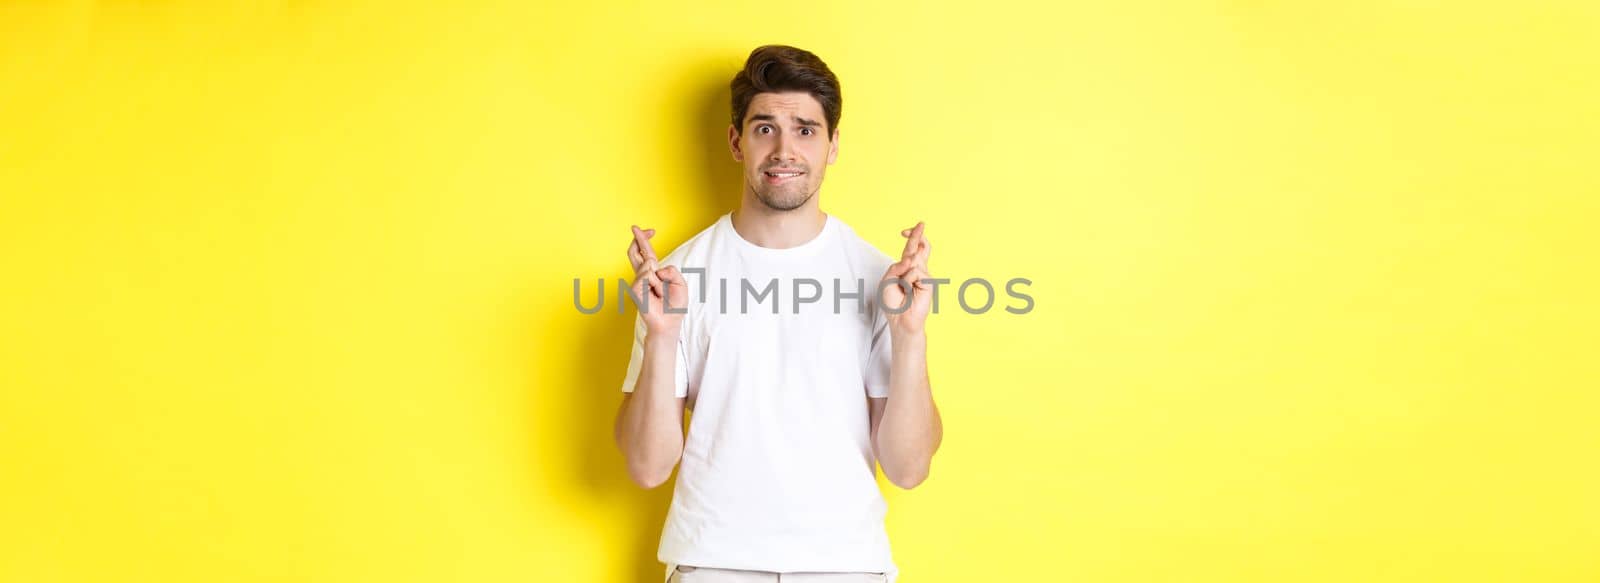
640,253
917,246
914,259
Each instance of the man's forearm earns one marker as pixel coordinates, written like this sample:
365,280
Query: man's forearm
911,429
650,432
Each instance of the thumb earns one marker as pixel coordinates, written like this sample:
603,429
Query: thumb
924,294
670,275
917,275
675,288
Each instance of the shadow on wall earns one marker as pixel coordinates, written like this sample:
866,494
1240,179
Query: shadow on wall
605,339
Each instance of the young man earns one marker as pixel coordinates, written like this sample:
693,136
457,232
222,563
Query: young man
797,392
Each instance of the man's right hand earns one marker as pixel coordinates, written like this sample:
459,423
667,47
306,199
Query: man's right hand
649,426
659,287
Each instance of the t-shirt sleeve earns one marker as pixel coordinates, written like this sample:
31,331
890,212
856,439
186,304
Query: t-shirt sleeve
680,369
879,357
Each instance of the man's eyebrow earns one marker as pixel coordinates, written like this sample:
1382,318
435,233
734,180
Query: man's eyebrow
770,117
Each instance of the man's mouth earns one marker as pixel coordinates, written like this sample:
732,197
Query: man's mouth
780,175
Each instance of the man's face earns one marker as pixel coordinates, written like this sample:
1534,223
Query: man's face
784,148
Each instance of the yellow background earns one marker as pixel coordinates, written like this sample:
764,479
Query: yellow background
287,286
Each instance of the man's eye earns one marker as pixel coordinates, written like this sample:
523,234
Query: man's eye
805,131
764,129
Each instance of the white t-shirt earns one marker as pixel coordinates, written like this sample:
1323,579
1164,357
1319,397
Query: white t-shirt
778,472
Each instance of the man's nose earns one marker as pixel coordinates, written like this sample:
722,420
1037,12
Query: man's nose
784,150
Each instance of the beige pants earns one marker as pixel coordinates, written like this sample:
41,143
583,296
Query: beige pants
691,574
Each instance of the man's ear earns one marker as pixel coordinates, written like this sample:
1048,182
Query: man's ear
733,143
833,147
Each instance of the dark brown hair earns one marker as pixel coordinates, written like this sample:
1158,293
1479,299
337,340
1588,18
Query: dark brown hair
777,68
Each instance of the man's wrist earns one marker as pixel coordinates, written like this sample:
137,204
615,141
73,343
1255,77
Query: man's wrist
910,339
668,338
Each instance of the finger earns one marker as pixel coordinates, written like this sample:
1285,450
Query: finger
647,274
924,296
634,258
897,291
911,242
640,289
648,269
898,269
656,288
635,254
644,245
924,249
639,238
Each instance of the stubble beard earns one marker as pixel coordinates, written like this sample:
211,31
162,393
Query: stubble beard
783,198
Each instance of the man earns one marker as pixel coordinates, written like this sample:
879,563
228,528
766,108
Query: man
796,395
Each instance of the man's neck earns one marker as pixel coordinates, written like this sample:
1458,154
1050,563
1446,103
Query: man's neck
775,229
